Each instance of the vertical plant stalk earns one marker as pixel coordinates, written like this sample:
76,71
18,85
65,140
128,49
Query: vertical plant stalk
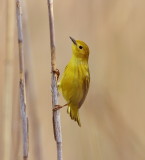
31,90
56,114
22,80
8,96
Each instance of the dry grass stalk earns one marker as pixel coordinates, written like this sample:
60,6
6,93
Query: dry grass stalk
22,80
31,89
56,114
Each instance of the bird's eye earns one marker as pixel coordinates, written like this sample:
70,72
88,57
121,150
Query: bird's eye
80,47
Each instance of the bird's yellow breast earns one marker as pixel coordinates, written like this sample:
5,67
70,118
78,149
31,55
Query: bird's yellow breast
75,82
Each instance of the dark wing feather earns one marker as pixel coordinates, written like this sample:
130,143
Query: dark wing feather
86,83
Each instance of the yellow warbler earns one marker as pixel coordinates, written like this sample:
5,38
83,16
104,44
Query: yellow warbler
75,81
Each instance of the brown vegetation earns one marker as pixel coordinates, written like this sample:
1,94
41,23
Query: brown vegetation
113,113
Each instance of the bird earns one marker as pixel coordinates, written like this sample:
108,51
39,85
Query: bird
75,81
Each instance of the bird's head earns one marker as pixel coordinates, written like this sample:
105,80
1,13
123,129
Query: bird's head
80,49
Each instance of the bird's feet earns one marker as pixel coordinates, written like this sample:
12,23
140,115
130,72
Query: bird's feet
57,73
57,107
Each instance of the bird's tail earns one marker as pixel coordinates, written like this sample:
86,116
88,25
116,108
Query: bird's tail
74,114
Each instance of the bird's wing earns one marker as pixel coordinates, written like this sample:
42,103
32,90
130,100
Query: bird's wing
86,83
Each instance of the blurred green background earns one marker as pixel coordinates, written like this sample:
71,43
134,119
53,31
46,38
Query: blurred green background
113,115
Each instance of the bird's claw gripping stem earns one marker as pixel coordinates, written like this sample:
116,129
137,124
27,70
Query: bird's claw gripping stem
57,73
57,107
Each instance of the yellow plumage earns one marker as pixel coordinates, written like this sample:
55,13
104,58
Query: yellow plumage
75,81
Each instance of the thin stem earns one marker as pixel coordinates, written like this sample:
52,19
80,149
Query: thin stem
31,90
56,114
22,80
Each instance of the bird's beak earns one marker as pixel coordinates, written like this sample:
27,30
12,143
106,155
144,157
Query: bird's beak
73,40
